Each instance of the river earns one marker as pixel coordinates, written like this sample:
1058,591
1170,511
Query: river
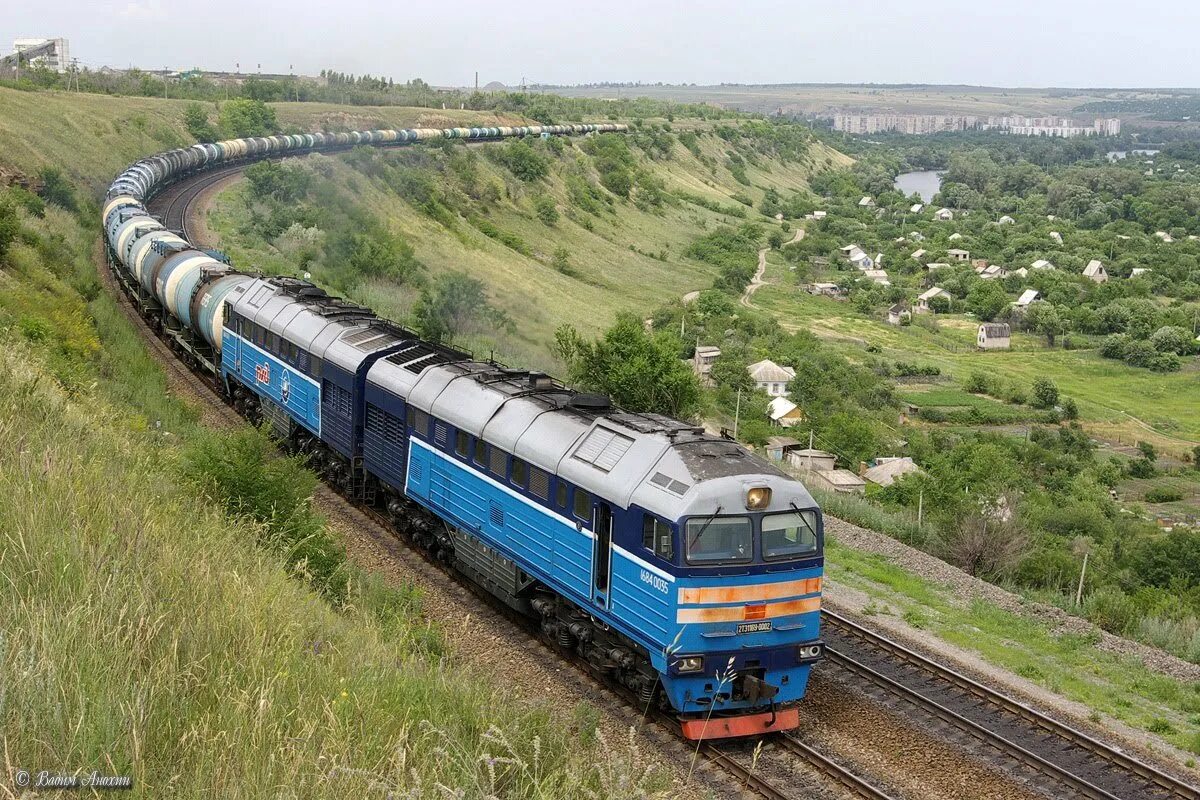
926,183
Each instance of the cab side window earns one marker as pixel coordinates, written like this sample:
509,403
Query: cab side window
656,537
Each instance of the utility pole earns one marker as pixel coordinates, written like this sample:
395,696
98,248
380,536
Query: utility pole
920,508
165,83
477,80
737,413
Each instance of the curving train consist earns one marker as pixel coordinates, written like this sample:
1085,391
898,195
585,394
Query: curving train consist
676,562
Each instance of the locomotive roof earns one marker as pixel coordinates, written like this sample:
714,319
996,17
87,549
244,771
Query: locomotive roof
660,463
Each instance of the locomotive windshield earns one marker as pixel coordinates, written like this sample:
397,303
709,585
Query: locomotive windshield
720,540
788,535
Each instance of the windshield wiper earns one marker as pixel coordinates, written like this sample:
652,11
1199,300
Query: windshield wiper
800,513
704,527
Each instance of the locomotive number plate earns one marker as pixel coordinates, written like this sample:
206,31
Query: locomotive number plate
754,627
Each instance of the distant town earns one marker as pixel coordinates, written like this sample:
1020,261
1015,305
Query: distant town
940,123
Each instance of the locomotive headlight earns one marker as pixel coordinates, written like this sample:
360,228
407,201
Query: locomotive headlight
809,652
689,664
758,498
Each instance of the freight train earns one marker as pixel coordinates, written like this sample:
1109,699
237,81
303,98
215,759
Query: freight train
682,566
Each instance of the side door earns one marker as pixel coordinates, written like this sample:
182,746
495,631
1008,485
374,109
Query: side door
602,555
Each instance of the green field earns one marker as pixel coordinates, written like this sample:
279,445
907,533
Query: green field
1116,400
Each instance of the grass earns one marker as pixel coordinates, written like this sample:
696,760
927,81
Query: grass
1068,665
145,635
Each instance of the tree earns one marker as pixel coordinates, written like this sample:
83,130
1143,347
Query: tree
381,254
986,300
1070,408
775,239
1148,451
850,437
1044,318
195,118
456,304
247,117
1045,393
1172,339
639,371
523,161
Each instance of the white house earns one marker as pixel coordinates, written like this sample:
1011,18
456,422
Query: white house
954,237
916,236
863,261
878,276
842,481
820,214
703,360
959,255
1041,263
1166,237
919,254
1095,270
916,208
1139,271
1027,297
784,412
994,336
936,265
866,202
827,289
770,377
812,460
1005,220
887,470
1022,272
991,272
850,251
923,299
943,214
1056,236
897,314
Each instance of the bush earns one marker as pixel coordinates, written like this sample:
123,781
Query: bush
1045,393
195,118
1112,610
523,161
1163,494
978,383
245,117
544,207
56,188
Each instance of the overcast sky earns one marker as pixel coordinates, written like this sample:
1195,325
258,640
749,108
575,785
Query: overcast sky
987,42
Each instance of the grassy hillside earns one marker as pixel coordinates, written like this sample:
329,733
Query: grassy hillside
596,252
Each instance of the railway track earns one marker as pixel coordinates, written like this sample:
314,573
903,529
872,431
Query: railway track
1069,758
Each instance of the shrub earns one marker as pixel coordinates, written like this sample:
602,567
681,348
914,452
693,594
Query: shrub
1112,610
56,188
544,207
978,382
1163,494
1045,393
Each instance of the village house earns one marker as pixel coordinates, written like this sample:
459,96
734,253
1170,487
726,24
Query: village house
919,254
811,460
778,447
784,412
825,289
867,202
943,214
887,470
770,377
1164,236
878,276
1041,263
842,481
1022,272
1056,236
992,271
820,214
915,208
1005,220
936,265
1027,297
959,255
954,237
897,314
994,336
863,261
703,360
1096,271
916,236
923,300
1139,271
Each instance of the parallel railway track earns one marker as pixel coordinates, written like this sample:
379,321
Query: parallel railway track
1069,758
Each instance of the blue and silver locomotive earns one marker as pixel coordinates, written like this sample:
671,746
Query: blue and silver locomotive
680,564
